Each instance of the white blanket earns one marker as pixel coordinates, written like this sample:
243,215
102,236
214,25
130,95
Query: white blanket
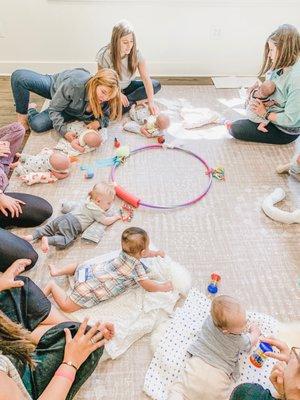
169,358
135,312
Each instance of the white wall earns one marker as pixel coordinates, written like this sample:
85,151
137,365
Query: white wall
176,37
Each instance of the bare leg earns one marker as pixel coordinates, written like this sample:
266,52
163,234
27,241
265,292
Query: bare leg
60,297
262,127
55,317
67,270
45,244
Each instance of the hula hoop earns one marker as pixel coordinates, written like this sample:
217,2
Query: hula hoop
131,199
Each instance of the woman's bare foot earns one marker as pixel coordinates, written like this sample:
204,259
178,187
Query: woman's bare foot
32,105
45,244
13,165
53,270
47,288
28,238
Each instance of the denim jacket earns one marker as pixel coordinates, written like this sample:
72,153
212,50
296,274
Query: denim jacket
69,97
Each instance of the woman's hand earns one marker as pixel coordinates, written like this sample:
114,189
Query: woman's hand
276,377
10,204
153,109
284,350
95,125
7,279
4,149
124,100
78,348
258,107
69,136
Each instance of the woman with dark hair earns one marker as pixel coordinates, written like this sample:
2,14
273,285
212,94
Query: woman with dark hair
281,66
43,355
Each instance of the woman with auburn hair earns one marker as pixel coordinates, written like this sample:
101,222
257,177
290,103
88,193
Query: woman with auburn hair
75,95
281,65
123,56
43,355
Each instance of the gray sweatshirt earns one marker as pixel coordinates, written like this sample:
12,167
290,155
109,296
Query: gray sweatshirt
68,96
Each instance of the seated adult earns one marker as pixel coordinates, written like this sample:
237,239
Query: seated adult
43,355
285,377
281,66
16,209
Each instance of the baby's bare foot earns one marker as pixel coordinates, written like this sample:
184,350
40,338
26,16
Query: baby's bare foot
45,244
28,238
53,270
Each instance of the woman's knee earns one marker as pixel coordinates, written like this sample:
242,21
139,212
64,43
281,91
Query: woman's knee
236,129
156,86
38,125
18,75
32,255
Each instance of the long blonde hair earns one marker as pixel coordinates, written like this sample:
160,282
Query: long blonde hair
15,340
121,29
109,78
286,38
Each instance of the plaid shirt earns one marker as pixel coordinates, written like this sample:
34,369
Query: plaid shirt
107,279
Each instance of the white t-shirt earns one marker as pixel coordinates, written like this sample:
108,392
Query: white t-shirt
104,61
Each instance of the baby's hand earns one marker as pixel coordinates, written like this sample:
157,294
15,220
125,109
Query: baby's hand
167,287
75,144
255,329
160,253
144,132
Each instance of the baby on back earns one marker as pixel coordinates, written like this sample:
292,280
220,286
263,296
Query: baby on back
213,365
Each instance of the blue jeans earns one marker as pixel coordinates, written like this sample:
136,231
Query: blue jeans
136,91
24,81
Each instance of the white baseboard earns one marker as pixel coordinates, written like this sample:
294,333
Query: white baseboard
170,69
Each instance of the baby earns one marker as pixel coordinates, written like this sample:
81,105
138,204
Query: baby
86,139
145,124
263,93
47,160
63,230
94,283
213,365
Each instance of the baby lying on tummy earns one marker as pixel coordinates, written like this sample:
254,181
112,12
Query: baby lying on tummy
213,366
94,283
64,229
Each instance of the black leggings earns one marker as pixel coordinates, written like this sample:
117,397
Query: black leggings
35,211
136,91
244,129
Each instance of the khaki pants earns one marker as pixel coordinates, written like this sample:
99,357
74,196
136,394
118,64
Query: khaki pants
201,381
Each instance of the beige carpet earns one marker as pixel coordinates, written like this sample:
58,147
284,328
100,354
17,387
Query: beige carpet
258,259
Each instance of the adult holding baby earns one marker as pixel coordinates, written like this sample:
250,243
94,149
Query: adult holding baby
281,66
75,95
16,209
123,56
285,376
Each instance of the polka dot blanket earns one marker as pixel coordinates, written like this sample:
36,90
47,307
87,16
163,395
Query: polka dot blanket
170,355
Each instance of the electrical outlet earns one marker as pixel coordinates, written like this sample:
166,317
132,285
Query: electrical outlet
1,30
215,32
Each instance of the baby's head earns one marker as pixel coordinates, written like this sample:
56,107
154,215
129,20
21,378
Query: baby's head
162,122
59,162
103,194
135,242
228,315
92,138
265,90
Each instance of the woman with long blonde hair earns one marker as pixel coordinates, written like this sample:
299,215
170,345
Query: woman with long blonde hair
281,65
75,95
122,55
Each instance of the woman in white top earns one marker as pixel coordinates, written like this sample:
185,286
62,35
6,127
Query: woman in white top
123,56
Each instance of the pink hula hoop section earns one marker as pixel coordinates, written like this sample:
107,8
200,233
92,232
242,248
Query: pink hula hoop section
136,201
